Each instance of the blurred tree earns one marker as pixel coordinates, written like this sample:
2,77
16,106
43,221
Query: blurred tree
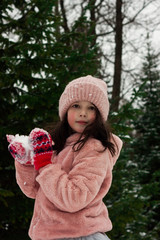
37,58
118,56
43,48
134,197
122,195
118,27
147,149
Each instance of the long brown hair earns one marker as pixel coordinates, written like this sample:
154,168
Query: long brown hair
98,130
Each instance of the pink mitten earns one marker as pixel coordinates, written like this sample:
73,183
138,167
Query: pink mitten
41,145
19,148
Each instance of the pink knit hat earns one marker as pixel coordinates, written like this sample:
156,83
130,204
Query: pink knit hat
86,88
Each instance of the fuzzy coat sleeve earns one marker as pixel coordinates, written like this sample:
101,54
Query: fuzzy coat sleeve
26,179
73,191
118,146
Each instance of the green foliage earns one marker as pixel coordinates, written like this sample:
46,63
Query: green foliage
134,197
4,194
37,58
147,147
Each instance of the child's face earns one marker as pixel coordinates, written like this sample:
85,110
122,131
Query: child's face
80,115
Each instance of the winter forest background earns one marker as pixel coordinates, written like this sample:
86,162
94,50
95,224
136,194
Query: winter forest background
44,45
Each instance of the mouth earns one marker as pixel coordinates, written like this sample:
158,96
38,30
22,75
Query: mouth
82,122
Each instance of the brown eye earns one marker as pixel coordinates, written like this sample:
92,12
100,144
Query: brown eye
75,106
92,108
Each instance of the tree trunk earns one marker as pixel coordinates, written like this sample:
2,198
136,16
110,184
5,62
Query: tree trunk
118,57
93,21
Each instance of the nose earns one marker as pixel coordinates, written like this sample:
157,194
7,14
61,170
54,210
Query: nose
83,113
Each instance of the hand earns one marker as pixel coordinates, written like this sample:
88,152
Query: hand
19,148
41,145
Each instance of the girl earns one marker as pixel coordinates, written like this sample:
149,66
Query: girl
69,182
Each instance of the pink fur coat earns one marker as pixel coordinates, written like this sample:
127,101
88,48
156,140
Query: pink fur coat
68,193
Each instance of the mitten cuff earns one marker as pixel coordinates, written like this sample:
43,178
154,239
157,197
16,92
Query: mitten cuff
41,160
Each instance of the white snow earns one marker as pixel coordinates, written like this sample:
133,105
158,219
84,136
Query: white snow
24,140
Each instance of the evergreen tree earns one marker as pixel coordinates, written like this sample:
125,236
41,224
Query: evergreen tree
134,197
122,200
147,149
37,59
